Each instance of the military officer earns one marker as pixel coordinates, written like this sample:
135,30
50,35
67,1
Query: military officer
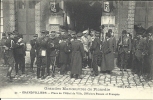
52,45
33,50
125,48
139,49
95,48
77,57
86,40
63,54
41,47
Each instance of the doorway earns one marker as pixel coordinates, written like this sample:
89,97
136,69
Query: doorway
84,15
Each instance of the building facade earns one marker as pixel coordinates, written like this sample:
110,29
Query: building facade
29,17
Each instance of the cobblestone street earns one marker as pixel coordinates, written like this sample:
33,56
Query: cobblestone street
119,84
116,79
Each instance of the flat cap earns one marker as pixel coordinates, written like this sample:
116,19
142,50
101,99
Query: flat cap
79,34
36,35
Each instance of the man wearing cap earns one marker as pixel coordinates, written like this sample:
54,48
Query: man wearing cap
95,48
2,50
77,57
41,46
63,54
33,50
124,44
52,45
86,40
139,51
150,56
8,46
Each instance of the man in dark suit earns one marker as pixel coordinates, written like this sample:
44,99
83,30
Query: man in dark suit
95,48
21,53
33,50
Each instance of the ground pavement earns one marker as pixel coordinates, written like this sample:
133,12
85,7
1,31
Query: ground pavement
116,79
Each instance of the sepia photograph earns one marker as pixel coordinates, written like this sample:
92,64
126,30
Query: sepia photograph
76,49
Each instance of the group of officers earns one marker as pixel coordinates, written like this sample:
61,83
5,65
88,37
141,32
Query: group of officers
71,51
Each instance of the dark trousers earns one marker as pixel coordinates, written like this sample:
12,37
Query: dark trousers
20,63
32,58
95,64
138,65
124,60
32,61
63,69
87,61
51,62
41,65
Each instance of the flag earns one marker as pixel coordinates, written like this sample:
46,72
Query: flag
108,6
54,7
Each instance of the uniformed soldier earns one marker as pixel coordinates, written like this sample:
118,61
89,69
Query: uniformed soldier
41,47
2,49
9,45
125,48
139,50
86,40
95,48
77,57
52,45
33,50
68,49
63,54
150,56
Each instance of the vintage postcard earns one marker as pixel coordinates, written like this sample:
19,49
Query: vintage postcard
76,49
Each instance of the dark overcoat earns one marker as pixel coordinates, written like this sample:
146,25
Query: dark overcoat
77,57
108,55
63,57
150,53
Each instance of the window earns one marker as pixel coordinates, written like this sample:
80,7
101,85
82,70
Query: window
32,4
1,18
21,4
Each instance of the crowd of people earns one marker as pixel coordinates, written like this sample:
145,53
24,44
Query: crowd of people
71,51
